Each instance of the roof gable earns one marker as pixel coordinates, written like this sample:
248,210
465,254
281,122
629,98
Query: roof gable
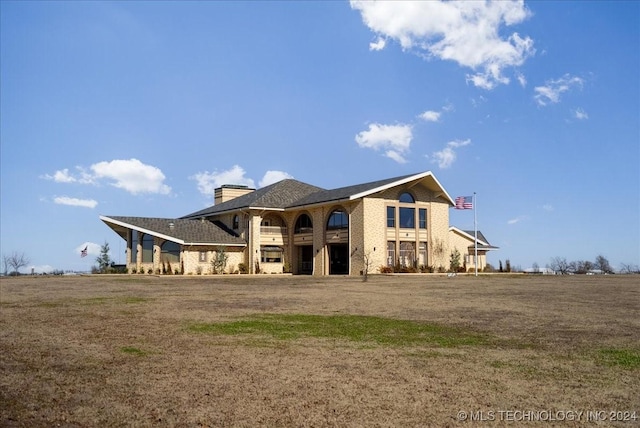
362,190
290,193
470,235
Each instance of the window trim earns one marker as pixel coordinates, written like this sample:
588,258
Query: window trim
271,249
391,221
412,201
341,226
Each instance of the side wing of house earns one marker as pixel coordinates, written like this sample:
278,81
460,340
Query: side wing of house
161,245
464,242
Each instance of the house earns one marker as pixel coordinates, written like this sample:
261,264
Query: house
464,242
291,226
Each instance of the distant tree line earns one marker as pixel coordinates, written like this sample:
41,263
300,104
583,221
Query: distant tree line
562,266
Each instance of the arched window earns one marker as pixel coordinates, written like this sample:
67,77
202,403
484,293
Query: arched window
338,220
236,222
407,198
303,224
170,252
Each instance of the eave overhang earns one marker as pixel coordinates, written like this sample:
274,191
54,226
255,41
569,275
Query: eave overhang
113,222
428,179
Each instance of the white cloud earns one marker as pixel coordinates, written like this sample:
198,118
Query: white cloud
65,200
447,156
271,177
459,143
92,249
580,114
395,139
548,207
378,45
132,176
61,176
552,89
431,116
518,219
521,79
465,32
392,154
209,181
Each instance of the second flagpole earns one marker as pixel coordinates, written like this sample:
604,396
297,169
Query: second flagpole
475,232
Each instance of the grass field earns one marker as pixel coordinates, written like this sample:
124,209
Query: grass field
283,351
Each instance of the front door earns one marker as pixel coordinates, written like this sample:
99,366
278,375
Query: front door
338,259
305,259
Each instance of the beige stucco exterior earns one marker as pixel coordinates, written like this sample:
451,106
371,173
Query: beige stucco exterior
464,243
403,224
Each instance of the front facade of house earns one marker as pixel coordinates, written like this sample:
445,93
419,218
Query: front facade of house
295,227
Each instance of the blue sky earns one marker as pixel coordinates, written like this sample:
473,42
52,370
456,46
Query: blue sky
143,108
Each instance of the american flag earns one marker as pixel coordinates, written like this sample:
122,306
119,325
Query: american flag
464,203
83,253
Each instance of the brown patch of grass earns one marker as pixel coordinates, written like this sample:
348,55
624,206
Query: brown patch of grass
305,351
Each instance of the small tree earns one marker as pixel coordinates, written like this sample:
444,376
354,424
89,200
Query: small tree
219,262
15,261
454,261
507,264
367,261
103,260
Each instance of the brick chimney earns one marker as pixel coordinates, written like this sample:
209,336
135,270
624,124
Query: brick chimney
230,191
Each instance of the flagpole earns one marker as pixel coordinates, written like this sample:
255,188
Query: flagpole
475,231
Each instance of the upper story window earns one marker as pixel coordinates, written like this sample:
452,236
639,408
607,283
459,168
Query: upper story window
236,222
391,216
303,224
338,220
407,217
407,198
422,218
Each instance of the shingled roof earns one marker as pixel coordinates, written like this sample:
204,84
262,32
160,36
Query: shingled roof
483,243
279,195
347,192
292,193
182,231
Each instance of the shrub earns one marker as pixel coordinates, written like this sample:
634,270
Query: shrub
242,268
385,269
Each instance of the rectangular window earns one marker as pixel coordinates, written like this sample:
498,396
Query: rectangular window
391,216
203,256
134,246
422,218
407,254
407,217
422,254
391,253
271,255
147,248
